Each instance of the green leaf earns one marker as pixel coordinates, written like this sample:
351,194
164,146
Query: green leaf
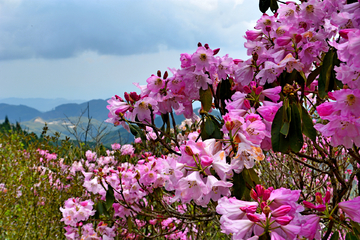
239,186
307,124
274,5
264,5
313,75
278,140
206,99
295,136
100,208
351,236
285,128
109,198
335,236
326,82
209,126
250,177
356,227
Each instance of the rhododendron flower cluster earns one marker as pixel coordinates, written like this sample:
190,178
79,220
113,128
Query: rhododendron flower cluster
303,64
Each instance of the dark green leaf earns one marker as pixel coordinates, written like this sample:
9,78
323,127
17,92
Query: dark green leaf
209,126
239,186
356,227
278,140
335,236
274,5
295,134
206,99
325,79
351,236
307,124
250,176
100,208
285,128
313,75
264,5
109,198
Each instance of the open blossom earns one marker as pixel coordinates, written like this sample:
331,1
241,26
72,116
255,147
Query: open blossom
351,208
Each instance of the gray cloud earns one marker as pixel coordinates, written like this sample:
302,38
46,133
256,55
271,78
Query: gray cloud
66,28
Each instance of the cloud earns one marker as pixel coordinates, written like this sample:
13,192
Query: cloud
63,29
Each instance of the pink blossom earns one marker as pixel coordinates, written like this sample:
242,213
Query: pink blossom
351,208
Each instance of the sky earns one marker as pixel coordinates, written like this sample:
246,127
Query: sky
94,49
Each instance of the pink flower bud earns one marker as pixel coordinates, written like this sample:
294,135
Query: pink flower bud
237,61
135,96
309,205
258,90
247,103
253,195
259,190
327,197
253,217
189,151
284,220
268,29
266,194
298,38
206,46
216,51
281,211
320,207
247,89
319,198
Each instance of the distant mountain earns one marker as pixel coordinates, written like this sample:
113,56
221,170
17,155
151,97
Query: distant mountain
21,113
41,104
18,113
97,110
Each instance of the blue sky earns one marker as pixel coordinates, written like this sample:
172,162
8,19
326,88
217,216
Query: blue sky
97,48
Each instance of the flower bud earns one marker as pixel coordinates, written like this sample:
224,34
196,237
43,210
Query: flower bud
298,38
166,74
319,198
229,125
253,217
206,46
284,220
268,28
327,197
119,98
127,97
247,89
320,207
237,61
266,194
158,73
189,151
259,190
247,104
281,211
253,195
135,96
309,205
266,210
258,90
199,44
216,51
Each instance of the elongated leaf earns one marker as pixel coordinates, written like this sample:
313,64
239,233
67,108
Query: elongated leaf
209,126
335,236
351,236
307,125
295,134
264,5
285,129
274,5
325,77
239,186
109,198
313,75
206,99
356,227
278,140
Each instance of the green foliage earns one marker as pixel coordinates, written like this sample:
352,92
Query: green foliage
29,206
